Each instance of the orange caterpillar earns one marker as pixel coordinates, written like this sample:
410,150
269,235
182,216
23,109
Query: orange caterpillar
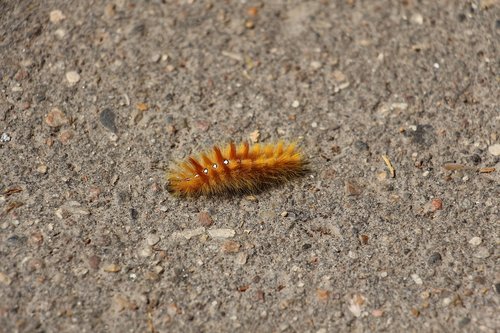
242,169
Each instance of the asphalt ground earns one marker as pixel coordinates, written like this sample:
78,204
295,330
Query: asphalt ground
395,104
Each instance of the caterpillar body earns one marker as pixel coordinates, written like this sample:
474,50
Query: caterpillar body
236,169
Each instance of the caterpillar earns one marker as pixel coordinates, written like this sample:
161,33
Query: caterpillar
236,169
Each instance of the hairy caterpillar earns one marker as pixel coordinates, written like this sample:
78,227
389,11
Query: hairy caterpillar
236,169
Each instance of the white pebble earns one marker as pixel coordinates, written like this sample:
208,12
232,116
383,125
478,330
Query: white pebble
146,252
56,16
475,241
482,253
417,19
315,64
152,239
295,104
494,149
72,77
221,233
188,234
5,137
417,279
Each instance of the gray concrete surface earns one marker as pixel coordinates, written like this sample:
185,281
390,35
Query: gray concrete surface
99,97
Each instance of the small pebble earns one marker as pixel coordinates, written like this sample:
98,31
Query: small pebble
5,137
437,204
475,241
94,262
356,304
36,238
94,193
249,24
316,64
121,303
295,104
16,240
497,287
417,19
80,271
66,136
377,313
112,268
152,276
252,11
60,33
434,258
352,254
107,119
72,77
482,252
173,309
361,146
56,16
146,252
221,233
110,10
339,76
5,279
463,322
417,279
494,149
241,258
155,57
42,168
134,214
56,118
381,176
188,234
158,269
352,189
230,247
205,220
152,239
342,86
322,295
71,208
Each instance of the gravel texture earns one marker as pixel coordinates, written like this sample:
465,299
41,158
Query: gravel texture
396,104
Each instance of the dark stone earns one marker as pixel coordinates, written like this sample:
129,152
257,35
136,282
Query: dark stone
16,240
361,146
461,17
497,287
134,214
475,158
434,259
423,135
306,246
463,322
107,119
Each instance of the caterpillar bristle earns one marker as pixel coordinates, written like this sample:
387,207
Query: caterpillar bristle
241,169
